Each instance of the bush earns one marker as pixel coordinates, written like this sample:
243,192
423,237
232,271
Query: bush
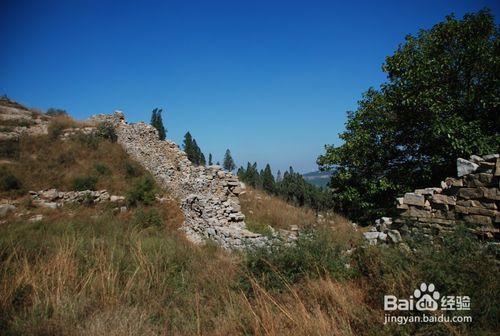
102,169
85,183
66,159
55,112
145,218
8,181
58,124
142,192
461,265
106,131
314,255
9,148
132,169
89,140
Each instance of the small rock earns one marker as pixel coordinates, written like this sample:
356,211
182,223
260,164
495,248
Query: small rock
5,209
394,236
36,218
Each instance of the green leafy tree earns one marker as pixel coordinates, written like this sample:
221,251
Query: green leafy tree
228,164
440,102
157,122
210,159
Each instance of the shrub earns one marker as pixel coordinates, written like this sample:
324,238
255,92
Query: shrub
89,140
145,218
66,159
8,181
106,131
142,192
58,124
132,169
85,183
314,255
9,148
102,169
55,112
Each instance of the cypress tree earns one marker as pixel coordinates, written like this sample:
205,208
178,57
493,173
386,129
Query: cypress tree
268,183
229,164
188,146
210,159
157,122
278,176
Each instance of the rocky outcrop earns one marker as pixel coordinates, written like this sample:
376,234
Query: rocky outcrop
16,120
208,195
471,199
53,198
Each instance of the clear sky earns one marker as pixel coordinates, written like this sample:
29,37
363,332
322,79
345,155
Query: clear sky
271,80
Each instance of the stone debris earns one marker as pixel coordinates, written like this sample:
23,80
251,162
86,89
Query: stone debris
472,199
208,195
53,198
5,209
69,133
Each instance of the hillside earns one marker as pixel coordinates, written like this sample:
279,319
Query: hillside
106,252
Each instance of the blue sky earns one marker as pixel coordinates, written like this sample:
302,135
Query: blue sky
271,80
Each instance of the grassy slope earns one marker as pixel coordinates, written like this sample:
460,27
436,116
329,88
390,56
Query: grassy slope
92,271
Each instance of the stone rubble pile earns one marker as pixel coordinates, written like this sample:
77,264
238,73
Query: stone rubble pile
472,199
53,198
208,195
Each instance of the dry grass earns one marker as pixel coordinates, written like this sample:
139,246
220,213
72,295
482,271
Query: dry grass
50,163
108,277
262,209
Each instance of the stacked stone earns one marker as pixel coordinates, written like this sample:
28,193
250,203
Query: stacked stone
473,199
208,195
53,198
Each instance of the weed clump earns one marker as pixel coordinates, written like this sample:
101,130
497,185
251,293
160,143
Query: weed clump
143,192
88,182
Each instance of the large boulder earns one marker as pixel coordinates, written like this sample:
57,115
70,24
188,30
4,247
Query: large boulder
465,167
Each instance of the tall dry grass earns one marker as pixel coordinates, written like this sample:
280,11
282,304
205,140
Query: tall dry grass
43,162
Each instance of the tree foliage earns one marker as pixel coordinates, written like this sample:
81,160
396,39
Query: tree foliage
55,112
293,188
228,162
157,122
193,151
440,102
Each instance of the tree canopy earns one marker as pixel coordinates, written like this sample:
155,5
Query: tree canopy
228,162
440,102
193,151
157,122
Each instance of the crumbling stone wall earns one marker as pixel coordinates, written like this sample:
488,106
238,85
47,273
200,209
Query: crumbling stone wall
208,195
471,199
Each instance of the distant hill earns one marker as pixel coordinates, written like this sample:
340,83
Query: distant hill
318,178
